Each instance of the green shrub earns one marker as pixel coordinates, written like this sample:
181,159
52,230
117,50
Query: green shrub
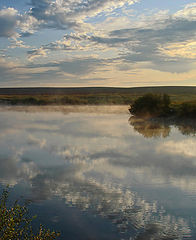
15,222
151,105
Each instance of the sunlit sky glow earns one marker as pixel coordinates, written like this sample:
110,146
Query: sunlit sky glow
118,43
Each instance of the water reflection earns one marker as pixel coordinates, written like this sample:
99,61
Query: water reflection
96,163
129,212
162,127
187,127
149,128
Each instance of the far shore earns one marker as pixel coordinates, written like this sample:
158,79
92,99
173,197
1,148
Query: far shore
106,109
41,96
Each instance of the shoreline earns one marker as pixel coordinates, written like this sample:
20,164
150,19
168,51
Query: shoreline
105,109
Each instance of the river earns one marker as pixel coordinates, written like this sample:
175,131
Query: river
91,172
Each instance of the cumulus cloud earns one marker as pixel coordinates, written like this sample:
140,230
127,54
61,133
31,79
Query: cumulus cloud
189,12
69,14
57,14
161,42
9,19
17,43
60,45
149,41
74,42
28,25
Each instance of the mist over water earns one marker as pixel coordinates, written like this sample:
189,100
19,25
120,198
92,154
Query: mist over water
93,173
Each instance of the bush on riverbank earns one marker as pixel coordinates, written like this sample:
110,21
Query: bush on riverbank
15,223
151,105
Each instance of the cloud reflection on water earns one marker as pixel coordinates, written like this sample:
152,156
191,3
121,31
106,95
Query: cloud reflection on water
92,161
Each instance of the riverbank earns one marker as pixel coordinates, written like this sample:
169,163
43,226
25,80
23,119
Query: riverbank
90,96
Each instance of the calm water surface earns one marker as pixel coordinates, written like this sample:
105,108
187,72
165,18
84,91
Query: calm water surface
93,173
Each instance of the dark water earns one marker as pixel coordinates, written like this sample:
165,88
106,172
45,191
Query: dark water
93,173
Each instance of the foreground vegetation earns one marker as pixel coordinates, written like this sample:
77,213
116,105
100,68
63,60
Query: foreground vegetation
154,105
15,222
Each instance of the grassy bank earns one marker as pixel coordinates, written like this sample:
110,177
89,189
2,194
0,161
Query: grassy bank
88,99
91,96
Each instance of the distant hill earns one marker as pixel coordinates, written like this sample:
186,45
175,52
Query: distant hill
96,90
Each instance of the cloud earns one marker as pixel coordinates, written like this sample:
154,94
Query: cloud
8,69
16,43
60,45
57,14
149,40
161,42
80,66
28,25
74,42
15,72
100,42
14,25
36,53
185,49
71,71
189,12
9,18
77,66
70,14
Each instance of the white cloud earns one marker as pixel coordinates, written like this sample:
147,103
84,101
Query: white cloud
16,43
29,24
9,20
158,42
189,12
36,53
185,49
67,14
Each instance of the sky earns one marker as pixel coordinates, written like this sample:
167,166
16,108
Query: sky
90,43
